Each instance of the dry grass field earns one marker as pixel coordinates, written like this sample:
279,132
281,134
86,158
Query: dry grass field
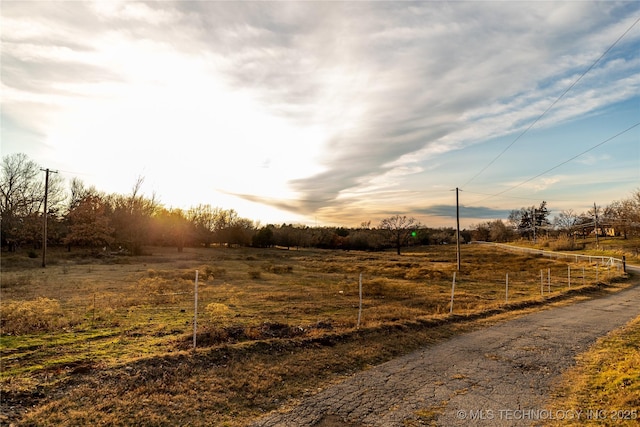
605,246
103,340
605,384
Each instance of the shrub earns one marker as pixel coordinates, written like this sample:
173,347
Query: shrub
40,315
277,269
564,244
217,310
207,271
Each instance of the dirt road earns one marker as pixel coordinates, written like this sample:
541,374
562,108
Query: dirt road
500,375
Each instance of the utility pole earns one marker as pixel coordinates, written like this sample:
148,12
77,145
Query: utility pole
533,224
457,230
595,212
44,226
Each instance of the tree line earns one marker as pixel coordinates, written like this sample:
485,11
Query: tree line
620,218
81,216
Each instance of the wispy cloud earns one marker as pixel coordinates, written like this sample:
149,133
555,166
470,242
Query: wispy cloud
342,104
590,159
407,83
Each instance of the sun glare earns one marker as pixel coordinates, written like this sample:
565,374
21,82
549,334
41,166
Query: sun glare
187,129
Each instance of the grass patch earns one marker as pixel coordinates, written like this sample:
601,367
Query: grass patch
606,379
616,247
39,315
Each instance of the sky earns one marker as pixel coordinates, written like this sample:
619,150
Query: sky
330,113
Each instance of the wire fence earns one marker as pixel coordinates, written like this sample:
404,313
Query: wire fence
602,260
170,303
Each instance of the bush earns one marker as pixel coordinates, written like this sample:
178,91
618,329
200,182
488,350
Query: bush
25,317
565,244
217,310
277,269
207,271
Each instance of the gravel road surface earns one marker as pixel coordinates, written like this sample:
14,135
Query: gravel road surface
499,375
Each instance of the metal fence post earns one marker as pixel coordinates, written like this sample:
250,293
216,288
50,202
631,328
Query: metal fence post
195,312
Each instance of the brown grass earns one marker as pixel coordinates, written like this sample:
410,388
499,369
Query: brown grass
32,316
605,246
605,384
273,325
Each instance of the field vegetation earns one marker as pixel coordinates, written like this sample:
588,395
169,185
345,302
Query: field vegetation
103,339
605,246
605,384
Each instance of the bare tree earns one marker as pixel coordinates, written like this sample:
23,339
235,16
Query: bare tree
398,229
499,232
132,217
22,194
204,218
79,191
566,220
224,221
241,232
623,216
22,198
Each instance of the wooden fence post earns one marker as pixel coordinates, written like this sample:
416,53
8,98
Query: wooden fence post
453,286
360,301
506,290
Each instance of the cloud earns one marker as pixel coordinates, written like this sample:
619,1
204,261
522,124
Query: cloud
346,104
542,184
403,83
592,159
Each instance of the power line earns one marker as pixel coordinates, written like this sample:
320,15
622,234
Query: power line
518,197
564,162
552,104
75,173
